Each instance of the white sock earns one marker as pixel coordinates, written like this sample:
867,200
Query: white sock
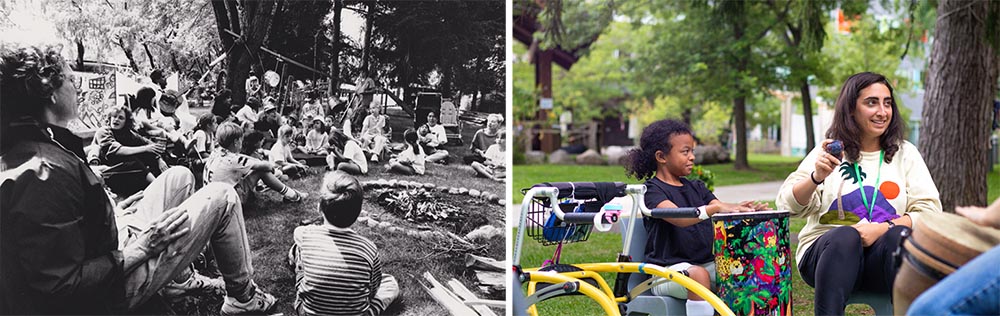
699,308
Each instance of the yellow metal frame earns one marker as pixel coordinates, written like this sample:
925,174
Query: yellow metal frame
605,297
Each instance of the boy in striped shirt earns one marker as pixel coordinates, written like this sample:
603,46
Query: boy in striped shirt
338,271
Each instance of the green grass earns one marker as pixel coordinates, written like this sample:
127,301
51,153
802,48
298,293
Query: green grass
993,185
765,168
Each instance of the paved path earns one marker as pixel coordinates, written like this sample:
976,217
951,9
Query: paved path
764,191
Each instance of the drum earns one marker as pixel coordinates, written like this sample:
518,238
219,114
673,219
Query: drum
753,261
940,244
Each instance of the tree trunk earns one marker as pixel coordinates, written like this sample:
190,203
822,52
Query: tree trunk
252,21
128,54
739,101
79,54
366,55
338,7
149,55
961,83
807,113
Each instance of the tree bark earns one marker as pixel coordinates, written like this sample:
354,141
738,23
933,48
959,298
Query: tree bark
128,54
366,55
338,7
79,54
961,83
739,101
149,55
807,113
252,20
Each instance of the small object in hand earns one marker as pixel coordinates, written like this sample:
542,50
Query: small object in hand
835,148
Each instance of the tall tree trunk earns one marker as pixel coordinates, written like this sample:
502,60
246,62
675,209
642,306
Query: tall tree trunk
79,53
739,101
252,20
807,113
338,7
961,83
149,55
366,55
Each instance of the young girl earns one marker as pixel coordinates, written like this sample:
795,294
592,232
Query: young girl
411,160
346,155
204,134
317,139
664,157
126,151
495,166
281,155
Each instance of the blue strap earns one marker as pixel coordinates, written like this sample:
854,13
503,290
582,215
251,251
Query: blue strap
641,266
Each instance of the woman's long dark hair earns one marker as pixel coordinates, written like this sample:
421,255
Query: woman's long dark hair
640,163
410,136
845,129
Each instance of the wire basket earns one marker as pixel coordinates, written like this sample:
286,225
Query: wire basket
544,227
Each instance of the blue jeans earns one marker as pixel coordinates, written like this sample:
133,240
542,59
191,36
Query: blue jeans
974,289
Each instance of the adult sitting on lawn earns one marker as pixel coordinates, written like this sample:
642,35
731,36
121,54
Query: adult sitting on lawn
338,271
124,150
247,115
229,166
664,159
221,105
60,251
410,161
853,227
433,138
281,155
484,138
373,131
346,155
495,167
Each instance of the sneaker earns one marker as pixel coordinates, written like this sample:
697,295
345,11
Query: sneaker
296,196
261,302
196,282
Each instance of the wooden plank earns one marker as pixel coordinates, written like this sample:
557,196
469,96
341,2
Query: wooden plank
446,298
490,278
467,296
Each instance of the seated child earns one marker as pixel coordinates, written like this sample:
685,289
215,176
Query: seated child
411,160
433,137
204,134
664,158
374,136
346,155
338,271
317,139
228,165
281,155
124,150
495,166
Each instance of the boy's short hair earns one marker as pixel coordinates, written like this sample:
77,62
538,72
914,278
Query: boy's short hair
340,198
284,130
228,134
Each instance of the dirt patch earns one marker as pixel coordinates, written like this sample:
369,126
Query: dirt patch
459,214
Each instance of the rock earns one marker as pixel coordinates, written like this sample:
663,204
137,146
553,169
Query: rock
429,186
559,157
484,232
615,154
502,202
534,157
453,191
384,225
474,193
392,183
462,191
372,223
590,157
710,154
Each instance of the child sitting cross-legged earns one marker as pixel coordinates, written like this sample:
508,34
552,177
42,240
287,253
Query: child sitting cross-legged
410,161
228,165
346,154
338,271
495,166
281,155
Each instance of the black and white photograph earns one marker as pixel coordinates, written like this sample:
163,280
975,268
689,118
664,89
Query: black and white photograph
266,157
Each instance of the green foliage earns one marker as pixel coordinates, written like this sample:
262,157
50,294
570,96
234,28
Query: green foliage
703,175
714,122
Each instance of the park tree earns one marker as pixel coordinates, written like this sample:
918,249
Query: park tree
961,85
251,23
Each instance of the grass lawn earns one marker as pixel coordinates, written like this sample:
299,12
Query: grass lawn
765,168
270,224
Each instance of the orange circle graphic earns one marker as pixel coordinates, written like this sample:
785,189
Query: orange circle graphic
889,189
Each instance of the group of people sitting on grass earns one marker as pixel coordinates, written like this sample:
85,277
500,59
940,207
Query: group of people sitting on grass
68,248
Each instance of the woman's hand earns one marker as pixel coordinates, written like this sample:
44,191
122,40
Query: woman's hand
733,208
825,163
155,148
870,232
162,232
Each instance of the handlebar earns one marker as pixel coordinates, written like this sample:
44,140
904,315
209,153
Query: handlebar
681,212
